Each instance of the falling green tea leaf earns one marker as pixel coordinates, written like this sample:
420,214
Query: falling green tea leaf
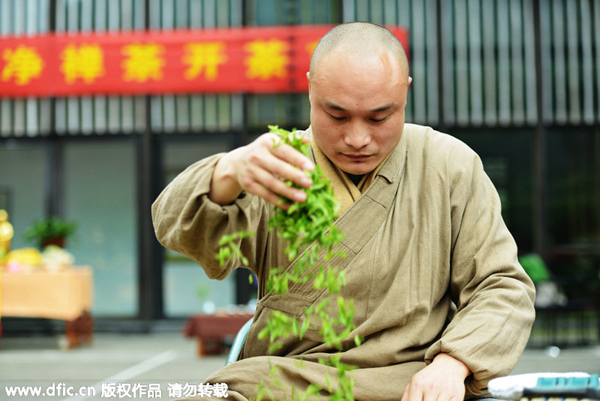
308,229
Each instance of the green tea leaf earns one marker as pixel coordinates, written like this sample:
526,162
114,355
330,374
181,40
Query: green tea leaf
309,231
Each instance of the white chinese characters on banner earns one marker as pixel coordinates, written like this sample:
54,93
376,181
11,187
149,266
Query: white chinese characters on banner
153,390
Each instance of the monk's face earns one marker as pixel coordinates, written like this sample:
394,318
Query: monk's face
357,108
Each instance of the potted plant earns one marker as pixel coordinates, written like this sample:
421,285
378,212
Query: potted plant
51,231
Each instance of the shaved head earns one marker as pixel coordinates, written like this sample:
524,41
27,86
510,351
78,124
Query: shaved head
359,39
357,88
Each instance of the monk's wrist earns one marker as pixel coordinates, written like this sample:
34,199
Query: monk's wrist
224,187
453,364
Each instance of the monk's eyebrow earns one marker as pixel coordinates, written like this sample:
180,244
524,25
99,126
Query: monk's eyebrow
383,108
334,106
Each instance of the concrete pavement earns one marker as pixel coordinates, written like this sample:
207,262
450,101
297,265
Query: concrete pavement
157,362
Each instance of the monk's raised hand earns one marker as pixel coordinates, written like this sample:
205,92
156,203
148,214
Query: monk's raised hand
262,168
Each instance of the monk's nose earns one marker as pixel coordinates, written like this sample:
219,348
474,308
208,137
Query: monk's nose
357,136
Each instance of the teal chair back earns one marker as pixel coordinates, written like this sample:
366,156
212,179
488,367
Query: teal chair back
238,341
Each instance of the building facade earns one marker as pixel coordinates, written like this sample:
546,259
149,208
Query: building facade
517,80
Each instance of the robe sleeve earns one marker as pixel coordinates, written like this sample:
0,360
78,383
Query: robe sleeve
493,294
188,222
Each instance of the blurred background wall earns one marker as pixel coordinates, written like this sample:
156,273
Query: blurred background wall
517,80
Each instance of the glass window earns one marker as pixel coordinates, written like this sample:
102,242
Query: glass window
187,289
101,196
22,186
285,110
573,195
507,159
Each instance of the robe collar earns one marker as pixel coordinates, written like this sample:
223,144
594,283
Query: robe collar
391,168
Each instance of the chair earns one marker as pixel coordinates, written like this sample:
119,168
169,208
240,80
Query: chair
238,341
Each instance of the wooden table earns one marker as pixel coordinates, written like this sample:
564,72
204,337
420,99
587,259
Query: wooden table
211,329
65,295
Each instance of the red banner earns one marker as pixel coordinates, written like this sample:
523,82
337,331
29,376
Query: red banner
232,60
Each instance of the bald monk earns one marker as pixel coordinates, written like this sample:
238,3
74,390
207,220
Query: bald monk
441,301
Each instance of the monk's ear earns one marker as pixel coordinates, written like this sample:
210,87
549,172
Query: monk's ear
409,82
308,79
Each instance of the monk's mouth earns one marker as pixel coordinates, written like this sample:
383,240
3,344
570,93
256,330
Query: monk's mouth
358,157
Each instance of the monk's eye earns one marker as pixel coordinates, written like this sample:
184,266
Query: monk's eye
379,120
336,118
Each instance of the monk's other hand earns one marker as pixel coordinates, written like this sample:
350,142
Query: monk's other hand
442,380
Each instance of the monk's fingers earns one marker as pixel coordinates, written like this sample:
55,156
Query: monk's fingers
412,393
418,394
423,389
276,185
406,394
293,156
283,161
268,196
264,184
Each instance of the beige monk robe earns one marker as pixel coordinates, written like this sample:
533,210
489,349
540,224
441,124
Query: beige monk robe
426,234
